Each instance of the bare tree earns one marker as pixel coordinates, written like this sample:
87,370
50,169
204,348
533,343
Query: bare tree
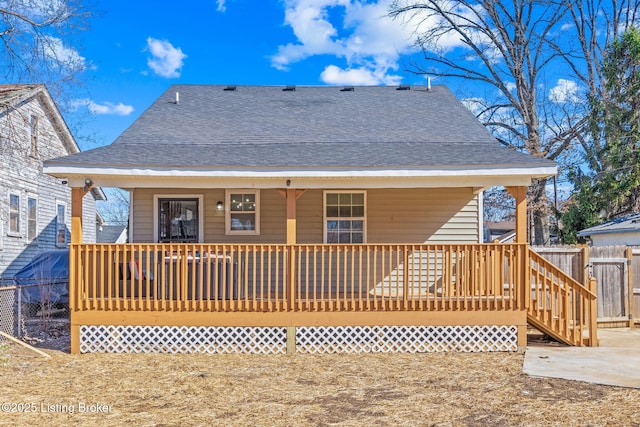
116,210
597,24
512,47
38,45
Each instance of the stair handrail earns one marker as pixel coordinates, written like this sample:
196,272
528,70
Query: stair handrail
542,270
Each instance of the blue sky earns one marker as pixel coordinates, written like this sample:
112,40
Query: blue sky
135,50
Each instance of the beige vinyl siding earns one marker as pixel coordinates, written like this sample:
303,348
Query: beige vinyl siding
272,211
309,212
422,215
393,216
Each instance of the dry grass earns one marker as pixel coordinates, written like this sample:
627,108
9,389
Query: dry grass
443,389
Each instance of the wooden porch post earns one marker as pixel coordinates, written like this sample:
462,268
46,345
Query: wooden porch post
77,194
291,195
291,217
520,194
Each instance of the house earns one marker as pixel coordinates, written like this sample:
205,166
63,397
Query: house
624,230
502,231
272,218
111,234
35,208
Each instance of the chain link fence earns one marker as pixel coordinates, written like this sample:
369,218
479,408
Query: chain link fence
34,311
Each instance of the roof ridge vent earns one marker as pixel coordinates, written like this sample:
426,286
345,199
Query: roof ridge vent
230,88
403,87
347,89
289,88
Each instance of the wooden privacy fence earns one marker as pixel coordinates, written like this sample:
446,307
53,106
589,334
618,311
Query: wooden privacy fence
616,270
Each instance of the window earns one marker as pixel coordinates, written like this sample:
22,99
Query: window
14,214
32,218
178,220
61,226
243,213
33,125
344,215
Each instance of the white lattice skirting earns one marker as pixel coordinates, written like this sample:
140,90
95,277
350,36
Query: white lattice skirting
273,340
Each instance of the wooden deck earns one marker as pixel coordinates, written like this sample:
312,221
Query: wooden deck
324,285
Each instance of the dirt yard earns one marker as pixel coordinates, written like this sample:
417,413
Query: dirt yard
443,389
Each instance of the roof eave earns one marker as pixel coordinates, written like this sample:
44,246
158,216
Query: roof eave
299,177
587,233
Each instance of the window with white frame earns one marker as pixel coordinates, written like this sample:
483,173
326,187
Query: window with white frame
345,217
61,225
243,212
32,218
14,215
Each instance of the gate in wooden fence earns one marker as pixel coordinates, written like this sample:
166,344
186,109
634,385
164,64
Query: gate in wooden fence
617,272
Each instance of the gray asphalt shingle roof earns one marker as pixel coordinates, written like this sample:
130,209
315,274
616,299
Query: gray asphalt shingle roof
626,223
109,233
264,126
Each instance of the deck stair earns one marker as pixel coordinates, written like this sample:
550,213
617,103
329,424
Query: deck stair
559,306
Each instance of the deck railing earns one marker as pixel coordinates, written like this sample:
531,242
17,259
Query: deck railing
561,306
313,278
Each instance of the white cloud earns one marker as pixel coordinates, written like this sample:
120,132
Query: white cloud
358,76
54,50
166,60
358,31
564,91
351,76
567,26
119,109
369,41
220,6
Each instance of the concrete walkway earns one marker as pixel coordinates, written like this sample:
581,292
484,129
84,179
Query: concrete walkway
616,362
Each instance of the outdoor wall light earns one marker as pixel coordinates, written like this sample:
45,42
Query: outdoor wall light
219,205
88,183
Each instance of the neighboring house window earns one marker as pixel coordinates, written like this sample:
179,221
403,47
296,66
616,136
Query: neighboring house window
34,135
32,218
14,214
178,220
344,217
61,226
243,212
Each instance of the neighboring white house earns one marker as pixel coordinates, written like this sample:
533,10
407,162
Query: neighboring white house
624,230
35,209
111,234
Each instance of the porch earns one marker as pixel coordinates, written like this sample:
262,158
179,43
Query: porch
296,297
